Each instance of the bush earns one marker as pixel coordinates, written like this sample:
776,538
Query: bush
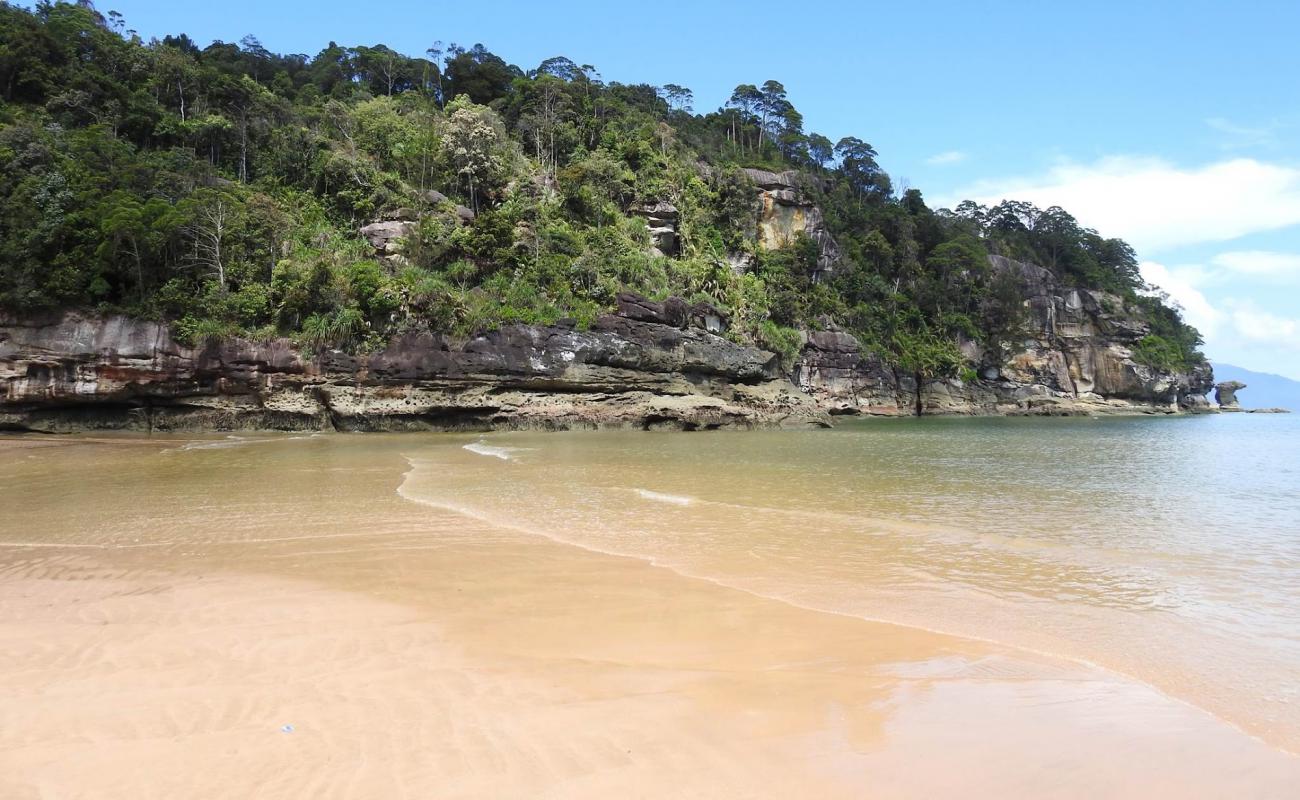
785,342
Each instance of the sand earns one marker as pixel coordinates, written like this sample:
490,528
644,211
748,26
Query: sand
309,633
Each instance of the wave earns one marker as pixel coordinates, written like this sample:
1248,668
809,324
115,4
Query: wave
238,441
483,449
660,497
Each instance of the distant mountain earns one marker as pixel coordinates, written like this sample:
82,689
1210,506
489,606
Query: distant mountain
1263,389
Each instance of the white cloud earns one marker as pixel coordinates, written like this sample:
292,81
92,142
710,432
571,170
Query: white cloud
1258,326
1180,284
1236,329
1262,264
1154,204
945,158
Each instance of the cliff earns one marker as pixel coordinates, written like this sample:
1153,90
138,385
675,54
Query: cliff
652,365
1075,358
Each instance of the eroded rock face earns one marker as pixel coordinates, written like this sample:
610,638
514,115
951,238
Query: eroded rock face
845,379
75,372
661,221
652,364
1225,394
784,212
1074,357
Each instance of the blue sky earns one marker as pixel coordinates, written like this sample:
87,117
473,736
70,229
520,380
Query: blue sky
1174,125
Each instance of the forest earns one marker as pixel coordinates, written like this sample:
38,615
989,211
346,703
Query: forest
223,188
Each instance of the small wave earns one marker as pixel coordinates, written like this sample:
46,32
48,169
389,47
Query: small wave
660,497
503,453
237,441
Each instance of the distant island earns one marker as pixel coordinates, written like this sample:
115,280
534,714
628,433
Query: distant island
224,237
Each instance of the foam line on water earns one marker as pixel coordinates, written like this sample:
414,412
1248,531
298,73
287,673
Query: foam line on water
484,449
236,441
662,497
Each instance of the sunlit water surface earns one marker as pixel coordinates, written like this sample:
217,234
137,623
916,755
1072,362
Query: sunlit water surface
1163,549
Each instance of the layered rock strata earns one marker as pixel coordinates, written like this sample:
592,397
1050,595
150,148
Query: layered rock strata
651,365
655,366
1075,358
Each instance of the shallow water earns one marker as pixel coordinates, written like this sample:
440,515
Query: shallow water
1122,599
1164,549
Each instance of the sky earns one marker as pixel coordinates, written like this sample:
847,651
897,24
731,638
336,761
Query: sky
1173,124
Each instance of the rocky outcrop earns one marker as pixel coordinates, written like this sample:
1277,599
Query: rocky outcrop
785,212
657,367
1073,357
652,364
1225,394
661,220
386,235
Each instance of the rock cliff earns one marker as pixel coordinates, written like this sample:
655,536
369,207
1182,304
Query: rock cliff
654,365
1075,357
651,365
785,211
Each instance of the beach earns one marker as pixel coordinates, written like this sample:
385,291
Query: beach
299,616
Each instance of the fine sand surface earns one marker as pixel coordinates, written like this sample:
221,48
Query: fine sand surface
271,619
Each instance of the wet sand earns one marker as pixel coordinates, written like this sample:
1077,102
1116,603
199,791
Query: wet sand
260,621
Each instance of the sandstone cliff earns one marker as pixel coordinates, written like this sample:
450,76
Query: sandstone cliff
650,365
653,365
1075,358
785,212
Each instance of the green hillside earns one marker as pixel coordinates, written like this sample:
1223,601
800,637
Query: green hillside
224,187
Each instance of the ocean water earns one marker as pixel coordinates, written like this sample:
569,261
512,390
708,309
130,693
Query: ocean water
1163,549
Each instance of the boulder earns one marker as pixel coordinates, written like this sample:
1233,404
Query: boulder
386,236
672,311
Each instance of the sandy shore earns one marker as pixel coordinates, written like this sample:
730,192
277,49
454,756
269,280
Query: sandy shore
326,638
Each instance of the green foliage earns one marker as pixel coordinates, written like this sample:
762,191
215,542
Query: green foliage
1171,345
785,342
223,188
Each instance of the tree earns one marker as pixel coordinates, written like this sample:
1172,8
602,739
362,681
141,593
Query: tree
794,145
558,67
435,52
772,104
175,75
820,150
745,102
481,75
679,98
474,143
212,218
858,166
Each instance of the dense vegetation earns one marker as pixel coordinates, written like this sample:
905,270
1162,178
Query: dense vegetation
223,188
